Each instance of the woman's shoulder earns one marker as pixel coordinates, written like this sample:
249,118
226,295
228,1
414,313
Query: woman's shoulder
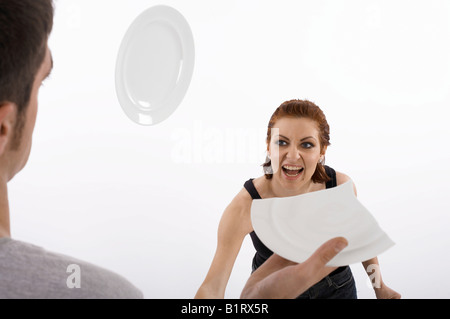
236,217
243,199
342,178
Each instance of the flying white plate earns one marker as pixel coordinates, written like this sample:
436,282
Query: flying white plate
154,65
294,227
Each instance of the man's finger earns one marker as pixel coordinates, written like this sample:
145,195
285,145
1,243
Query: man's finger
327,251
315,265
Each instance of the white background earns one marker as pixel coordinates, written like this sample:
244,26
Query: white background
146,201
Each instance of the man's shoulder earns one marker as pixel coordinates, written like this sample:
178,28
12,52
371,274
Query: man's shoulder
28,270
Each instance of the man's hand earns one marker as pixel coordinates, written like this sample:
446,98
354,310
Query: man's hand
284,279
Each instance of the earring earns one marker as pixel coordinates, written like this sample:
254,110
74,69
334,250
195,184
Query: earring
267,167
268,170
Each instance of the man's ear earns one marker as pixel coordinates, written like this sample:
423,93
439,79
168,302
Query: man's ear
7,113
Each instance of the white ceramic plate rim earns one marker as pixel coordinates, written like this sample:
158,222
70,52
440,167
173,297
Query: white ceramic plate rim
155,115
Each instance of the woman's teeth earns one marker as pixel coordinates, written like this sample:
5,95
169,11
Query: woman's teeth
292,171
293,168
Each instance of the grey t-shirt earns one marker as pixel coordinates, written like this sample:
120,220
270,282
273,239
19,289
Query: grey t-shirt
29,271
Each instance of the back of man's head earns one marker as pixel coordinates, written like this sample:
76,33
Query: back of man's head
24,29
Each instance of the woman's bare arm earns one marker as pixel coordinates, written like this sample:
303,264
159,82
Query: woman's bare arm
234,225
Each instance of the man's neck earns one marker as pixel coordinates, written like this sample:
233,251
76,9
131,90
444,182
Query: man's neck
4,211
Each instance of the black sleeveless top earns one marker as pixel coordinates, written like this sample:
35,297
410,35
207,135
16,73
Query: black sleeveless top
262,252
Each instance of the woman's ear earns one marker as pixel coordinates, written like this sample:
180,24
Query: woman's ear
7,112
322,155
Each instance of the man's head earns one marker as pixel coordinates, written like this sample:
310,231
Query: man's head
25,62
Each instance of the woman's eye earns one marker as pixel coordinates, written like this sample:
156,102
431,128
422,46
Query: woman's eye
307,145
281,143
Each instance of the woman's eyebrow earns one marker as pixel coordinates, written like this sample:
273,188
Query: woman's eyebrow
305,138
282,136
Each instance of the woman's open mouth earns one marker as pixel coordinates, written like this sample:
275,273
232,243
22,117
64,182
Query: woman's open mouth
292,172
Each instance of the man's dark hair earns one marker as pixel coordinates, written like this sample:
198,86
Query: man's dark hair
24,29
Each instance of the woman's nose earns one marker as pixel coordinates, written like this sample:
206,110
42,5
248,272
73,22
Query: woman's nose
293,153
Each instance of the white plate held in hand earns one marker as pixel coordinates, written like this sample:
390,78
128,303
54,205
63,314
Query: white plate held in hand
294,227
154,65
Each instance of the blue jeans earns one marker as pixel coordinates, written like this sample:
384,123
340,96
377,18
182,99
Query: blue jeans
340,284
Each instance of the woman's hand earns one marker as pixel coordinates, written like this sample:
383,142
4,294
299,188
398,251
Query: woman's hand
384,292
